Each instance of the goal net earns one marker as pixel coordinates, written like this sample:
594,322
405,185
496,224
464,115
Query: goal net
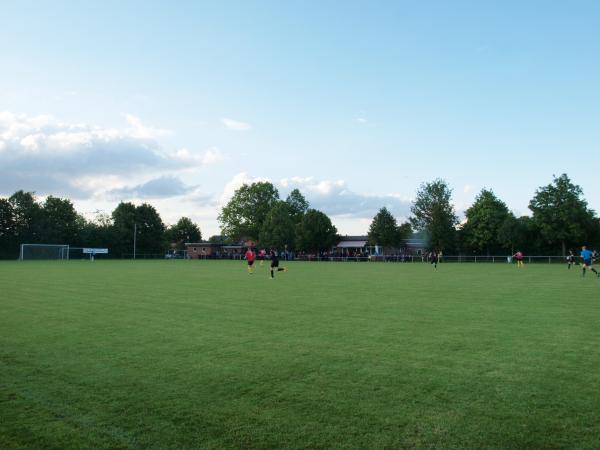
44,251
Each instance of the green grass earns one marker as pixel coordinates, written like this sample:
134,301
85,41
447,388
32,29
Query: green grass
196,354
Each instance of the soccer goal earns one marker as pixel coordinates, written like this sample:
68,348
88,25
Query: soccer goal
44,251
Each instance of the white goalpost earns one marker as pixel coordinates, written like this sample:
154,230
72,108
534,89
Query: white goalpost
44,251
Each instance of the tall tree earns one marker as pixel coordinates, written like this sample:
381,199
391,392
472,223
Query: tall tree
384,230
183,231
278,230
150,229
124,220
434,215
594,233
60,222
8,245
315,232
219,239
26,216
405,230
510,233
484,220
99,232
561,213
298,205
245,213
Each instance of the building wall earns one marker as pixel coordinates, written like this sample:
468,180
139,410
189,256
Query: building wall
196,251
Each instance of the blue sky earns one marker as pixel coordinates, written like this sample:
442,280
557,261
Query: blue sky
356,103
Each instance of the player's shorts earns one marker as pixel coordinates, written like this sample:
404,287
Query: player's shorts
587,262
274,263
250,263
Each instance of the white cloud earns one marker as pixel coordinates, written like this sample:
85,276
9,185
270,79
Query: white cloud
361,120
330,196
212,155
335,198
140,131
42,154
161,187
235,183
235,125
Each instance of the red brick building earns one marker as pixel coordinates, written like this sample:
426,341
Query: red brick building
201,250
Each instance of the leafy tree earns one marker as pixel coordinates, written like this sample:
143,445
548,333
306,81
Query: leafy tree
183,231
298,205
245,213
26,217
594,233
433,214
315,232
99,232
60,222
150,229
219,239
278,230
8,244
484,220
561,213
384,230
405,230
123,226
513,233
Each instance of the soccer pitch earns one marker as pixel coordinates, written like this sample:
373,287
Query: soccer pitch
199,354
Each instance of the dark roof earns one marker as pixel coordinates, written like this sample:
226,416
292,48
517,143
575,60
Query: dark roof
353,238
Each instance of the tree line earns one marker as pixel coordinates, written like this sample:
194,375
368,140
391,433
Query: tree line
560,219
24,219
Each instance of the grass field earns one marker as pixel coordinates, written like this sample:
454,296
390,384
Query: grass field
197,354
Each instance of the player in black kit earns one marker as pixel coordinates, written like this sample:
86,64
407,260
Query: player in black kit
275,263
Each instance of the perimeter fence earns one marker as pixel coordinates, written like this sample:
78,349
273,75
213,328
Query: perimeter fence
445,259
497,259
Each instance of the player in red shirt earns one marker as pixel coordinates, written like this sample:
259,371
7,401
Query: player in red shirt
519,258
250,257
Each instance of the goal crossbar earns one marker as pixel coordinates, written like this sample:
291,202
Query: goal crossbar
44,251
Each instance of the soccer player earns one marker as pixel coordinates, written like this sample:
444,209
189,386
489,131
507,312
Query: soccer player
570,259
586,256
519,258
435,259
275,263
262,256
250,257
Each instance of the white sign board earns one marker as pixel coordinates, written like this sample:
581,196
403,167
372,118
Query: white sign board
96,251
